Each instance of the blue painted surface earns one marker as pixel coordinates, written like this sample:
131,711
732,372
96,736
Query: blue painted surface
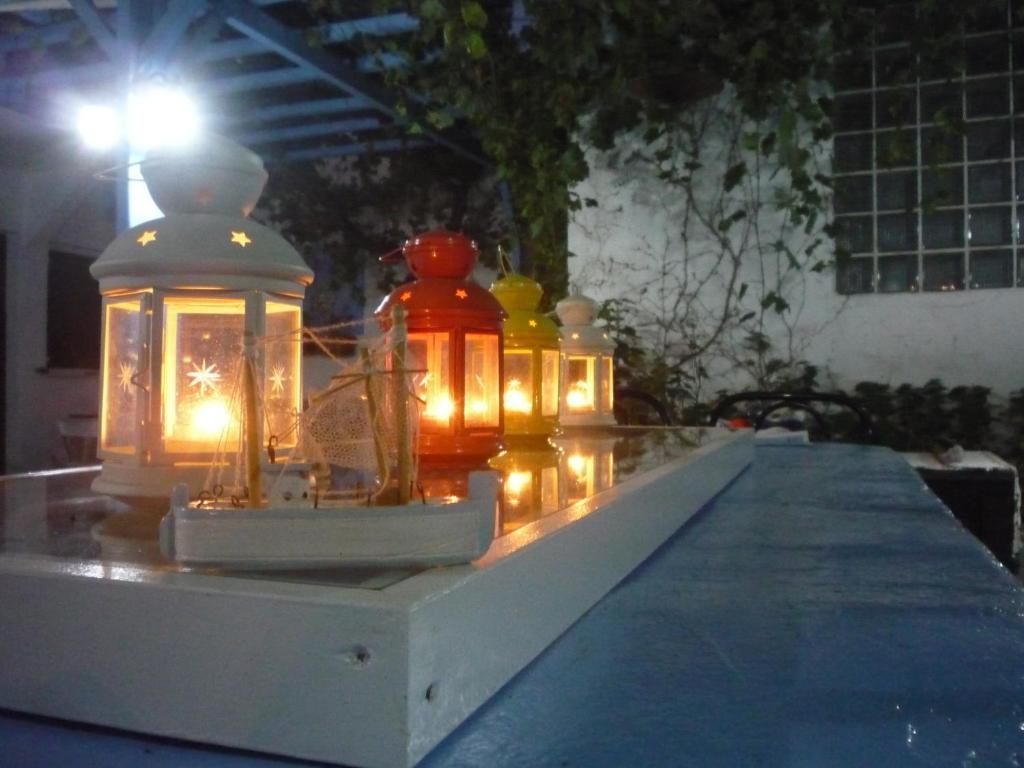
825,610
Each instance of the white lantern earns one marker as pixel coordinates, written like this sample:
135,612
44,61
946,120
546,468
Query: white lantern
180,296
587,365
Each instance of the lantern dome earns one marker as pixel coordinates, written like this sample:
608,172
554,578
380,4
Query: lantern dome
520,296
214,175
442,263
577,314
441,254
204,239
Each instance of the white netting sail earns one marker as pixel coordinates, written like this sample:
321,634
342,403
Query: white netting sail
357,433
355,423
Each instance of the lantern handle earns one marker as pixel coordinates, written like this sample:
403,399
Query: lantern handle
505,263
391,257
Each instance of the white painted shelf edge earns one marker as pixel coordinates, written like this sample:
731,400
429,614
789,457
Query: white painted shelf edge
354,676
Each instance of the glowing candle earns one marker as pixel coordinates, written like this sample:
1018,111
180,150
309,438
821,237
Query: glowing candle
578,395
439,408
210,419
516,483
515,398
578,465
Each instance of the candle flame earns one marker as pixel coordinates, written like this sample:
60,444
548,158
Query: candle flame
515,398
578,395
515,484
578,465
210,418
439,408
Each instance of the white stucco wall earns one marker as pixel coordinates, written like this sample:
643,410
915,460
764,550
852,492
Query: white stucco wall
52,203
969,337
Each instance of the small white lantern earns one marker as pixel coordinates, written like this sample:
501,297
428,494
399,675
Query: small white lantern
180,296
587,365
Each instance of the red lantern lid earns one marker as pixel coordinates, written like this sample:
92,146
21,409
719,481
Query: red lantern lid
442,295
441,254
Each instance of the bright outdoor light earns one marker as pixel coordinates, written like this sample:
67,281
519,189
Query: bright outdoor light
99,127
160,115
156,116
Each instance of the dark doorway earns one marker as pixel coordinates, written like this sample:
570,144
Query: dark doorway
3,353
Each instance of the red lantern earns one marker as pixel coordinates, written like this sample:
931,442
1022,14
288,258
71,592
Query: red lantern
454,346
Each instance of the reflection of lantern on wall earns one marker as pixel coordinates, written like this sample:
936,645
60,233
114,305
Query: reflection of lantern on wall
588,466
587,363
531,359
454,347
530,485
180,294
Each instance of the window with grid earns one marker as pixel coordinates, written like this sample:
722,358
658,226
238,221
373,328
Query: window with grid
926,169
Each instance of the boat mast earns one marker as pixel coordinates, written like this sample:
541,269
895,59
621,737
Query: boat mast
400,398
252,426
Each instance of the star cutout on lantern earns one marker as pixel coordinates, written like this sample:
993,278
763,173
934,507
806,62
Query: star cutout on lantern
204,376
240,237
147,237
126,376
533,323
277,380
575,337
461,293
406,296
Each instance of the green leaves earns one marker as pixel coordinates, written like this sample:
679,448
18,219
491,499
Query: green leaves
474,15
475,45
734,176
431,10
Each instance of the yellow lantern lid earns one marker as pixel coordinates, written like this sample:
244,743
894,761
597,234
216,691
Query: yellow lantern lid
520,296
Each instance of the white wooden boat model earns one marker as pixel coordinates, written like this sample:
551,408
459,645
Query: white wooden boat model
413,534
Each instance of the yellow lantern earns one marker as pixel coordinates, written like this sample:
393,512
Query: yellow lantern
587,365
530,484
181,296
531,359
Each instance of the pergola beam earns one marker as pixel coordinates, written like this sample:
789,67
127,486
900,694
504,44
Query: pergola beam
300,132
317,108
97,27
290,44
255,81
346,150
170,31
30,39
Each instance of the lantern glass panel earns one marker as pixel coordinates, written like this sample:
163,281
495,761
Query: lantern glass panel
120,365
518,490
579,395
282,380
518,381
549,382
580,477
606,384
549,490
201,366
607,470
481,382
428,355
